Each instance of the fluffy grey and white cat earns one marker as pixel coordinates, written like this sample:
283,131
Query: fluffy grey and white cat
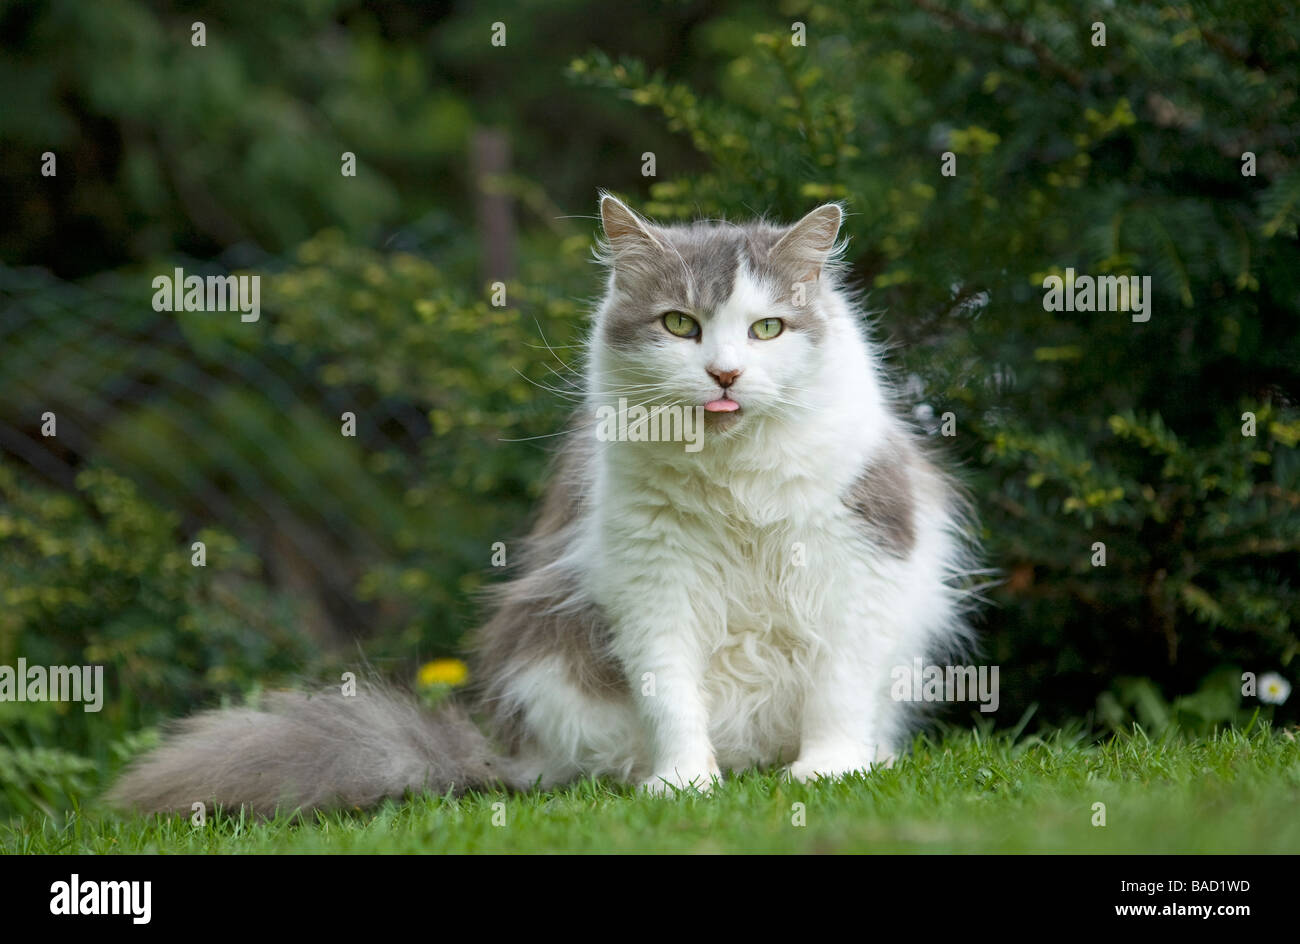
679,613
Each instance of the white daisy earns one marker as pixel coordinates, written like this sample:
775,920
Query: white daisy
1273,689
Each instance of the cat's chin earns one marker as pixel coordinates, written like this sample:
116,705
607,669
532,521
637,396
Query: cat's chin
722,422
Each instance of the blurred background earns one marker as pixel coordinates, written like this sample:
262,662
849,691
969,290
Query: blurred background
478,161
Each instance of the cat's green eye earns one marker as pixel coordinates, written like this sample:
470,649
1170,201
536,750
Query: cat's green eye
765,329
681,324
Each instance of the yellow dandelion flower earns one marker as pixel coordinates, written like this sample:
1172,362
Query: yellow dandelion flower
443,672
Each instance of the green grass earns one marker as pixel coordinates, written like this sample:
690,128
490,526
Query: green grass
962,792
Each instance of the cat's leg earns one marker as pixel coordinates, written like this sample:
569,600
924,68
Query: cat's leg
849,722
655,635
843,727
653,600
666,672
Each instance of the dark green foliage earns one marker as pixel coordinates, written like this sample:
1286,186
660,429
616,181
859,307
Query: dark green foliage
103,577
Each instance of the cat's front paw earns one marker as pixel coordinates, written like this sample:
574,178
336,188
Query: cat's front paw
699,777
835,765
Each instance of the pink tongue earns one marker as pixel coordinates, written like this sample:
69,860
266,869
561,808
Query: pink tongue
722,406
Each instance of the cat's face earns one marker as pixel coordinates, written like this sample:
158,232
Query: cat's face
716,315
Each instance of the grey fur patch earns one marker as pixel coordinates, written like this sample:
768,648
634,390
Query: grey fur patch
882,497
540,617
309,751
542,614
711,253
688,268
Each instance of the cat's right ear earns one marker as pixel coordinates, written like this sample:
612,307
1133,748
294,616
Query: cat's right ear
809,244
626,232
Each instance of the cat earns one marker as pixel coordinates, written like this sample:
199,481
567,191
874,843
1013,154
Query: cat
678,613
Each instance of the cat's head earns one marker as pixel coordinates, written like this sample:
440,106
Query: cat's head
729,317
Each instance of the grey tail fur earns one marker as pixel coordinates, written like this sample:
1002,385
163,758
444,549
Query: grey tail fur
299,751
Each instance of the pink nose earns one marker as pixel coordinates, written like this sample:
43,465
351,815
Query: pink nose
725,378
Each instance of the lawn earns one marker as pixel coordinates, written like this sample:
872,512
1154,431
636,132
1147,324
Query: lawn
961,791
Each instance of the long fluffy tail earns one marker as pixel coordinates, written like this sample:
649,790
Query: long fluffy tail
312,751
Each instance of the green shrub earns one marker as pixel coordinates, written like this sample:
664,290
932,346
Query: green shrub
104,577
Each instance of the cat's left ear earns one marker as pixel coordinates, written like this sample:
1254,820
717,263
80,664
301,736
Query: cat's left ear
626,231
808,244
